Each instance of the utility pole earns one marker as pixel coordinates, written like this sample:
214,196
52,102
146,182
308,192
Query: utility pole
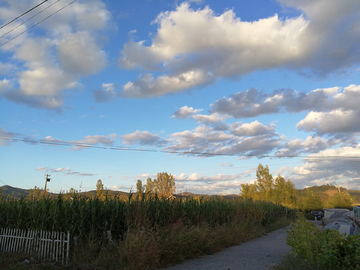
47,179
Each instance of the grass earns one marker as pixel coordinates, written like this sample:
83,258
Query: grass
293,262
147,233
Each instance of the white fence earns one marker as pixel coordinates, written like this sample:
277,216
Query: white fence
43,244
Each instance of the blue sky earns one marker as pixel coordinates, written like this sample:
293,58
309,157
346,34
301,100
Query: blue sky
204,90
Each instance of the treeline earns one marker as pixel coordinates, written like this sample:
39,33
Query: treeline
266,188
280,191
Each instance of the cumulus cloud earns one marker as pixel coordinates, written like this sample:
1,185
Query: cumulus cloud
312,144
330,166
331,122
200,46
92,140
210,184
252,129
143,138
106,93
209,119
252,103
325,107
185,112
255,139
147,86
5,85
46,67
79,54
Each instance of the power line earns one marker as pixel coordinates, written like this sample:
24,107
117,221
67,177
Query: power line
37,23
118,148
23,14
29,19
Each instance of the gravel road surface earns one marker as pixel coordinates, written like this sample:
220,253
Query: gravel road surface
256,254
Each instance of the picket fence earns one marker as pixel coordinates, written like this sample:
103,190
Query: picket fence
44,245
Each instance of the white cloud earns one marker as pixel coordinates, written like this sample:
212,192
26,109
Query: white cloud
189,40
49,65
5,85
147,86
312,144
209,119
185,112
253,129
106,93
208,141
200,42
329,166
331,122
79,54
143,138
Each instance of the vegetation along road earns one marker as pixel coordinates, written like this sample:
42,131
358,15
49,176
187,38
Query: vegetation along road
260,253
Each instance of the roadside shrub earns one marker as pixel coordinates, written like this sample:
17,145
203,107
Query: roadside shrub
327,249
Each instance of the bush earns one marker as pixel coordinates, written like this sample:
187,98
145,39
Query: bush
327,249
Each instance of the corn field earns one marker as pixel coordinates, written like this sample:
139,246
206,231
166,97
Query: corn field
164,232
93,216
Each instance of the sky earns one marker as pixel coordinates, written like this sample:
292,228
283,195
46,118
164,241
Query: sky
204,90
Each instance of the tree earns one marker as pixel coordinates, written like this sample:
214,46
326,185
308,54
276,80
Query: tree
312,201
341,200
35,193
248,191
284,191
149,187
139,187
72,192
99,188
264,182
163,185
266,188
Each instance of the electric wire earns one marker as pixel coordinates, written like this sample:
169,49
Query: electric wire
28,19
196,153
37,23
23,14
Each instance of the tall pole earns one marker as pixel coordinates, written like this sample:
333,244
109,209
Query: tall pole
47,179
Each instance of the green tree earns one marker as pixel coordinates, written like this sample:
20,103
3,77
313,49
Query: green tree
72,192
266,188
264,181
248,191
341,200
312,201
35,193
139,187
99,188
163,185
149,187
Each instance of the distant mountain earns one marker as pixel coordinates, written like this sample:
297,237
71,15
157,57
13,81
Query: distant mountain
19,192
14,192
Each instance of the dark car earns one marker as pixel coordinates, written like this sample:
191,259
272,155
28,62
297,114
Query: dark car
317,215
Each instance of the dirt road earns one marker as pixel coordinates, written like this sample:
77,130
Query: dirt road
257,254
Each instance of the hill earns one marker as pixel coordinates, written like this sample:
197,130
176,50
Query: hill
14,192
325,192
